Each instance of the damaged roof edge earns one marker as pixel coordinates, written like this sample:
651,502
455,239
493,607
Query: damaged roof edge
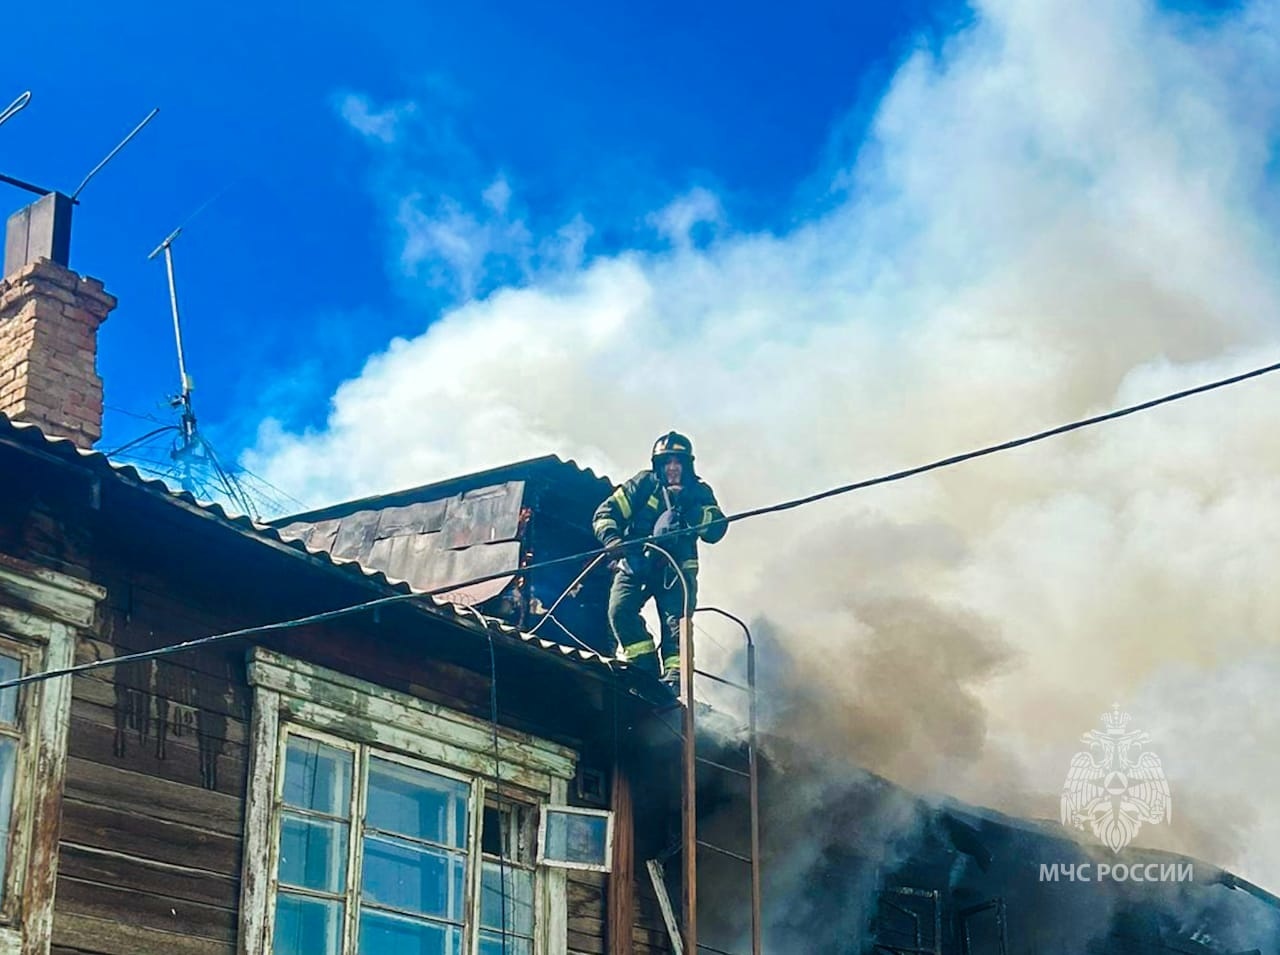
445,488
30,439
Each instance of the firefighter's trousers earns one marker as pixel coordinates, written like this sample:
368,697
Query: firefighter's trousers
628,594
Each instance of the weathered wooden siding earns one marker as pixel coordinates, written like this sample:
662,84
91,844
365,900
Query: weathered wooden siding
150,842
587,907
588,910
153,808
650,933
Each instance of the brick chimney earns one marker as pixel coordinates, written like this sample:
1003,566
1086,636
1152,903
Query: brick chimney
49,318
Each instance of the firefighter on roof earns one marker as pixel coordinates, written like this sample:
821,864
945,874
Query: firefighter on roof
669,500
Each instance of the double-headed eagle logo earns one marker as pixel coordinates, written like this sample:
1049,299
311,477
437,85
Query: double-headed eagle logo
1117,785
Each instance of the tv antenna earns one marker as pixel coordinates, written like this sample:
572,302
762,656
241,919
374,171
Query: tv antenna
42,229
193,462
16,107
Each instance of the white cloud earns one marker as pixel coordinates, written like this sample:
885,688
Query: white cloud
678,219
497,196
1063,209
383,125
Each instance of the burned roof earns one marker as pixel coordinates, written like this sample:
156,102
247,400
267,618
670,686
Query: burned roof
570,478
453,530
492,522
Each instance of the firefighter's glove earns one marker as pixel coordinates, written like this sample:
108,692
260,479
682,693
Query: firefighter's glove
621,566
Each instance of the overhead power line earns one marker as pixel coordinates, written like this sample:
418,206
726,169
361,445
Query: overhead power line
592,554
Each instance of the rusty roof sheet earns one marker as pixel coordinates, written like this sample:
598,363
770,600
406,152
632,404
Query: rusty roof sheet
30,436
570,476
429,544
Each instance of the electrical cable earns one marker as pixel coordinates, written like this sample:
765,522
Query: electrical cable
706,633
577,580
578,640
1003,446
137,441
572,558
132,414
497,771
497,779
684,587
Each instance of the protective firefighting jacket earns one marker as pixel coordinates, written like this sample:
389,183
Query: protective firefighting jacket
632,510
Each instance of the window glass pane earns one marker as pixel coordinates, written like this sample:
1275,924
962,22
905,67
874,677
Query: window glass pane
10,669
8,766
491,944
416,878
317,777
494,837
576,837
313,853
382,933
507,832
519,898
413,802
307,926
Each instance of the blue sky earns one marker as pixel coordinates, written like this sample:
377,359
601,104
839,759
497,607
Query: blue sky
290,279
828,242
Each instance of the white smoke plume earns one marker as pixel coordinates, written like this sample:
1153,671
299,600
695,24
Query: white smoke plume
1062,208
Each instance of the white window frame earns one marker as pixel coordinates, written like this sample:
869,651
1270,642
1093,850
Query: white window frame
604,814
42,612
292,697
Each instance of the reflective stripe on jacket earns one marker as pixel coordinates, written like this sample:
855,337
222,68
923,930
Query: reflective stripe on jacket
630,512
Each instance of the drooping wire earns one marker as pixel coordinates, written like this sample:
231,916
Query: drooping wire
140,440
574,558
132,414
497,774
568,590
1003,446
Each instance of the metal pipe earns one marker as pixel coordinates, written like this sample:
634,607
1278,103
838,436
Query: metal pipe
720,679
16,107
723,851
688,791
23,184
722,767
757,925
177,328
112,155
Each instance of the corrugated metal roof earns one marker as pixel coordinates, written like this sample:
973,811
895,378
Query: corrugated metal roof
431,543
31,437
568,474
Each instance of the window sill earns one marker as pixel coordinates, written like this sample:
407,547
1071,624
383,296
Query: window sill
10,941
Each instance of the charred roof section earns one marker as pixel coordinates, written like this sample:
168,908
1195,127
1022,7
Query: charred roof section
503,519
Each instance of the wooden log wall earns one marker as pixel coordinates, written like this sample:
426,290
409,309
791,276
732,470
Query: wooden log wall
588,911
150,844
152,814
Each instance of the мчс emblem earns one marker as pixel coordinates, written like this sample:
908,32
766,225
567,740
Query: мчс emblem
1117,785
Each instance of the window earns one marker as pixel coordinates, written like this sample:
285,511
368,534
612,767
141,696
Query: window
21,790
373,825
11,667
375,855
42,611
577,838
507,879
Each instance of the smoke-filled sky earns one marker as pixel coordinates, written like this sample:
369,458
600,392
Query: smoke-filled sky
1058,208
827,244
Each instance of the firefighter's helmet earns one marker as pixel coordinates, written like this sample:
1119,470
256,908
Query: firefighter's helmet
673,443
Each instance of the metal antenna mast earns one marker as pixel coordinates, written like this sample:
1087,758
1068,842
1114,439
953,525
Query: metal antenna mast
190,443
182,400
